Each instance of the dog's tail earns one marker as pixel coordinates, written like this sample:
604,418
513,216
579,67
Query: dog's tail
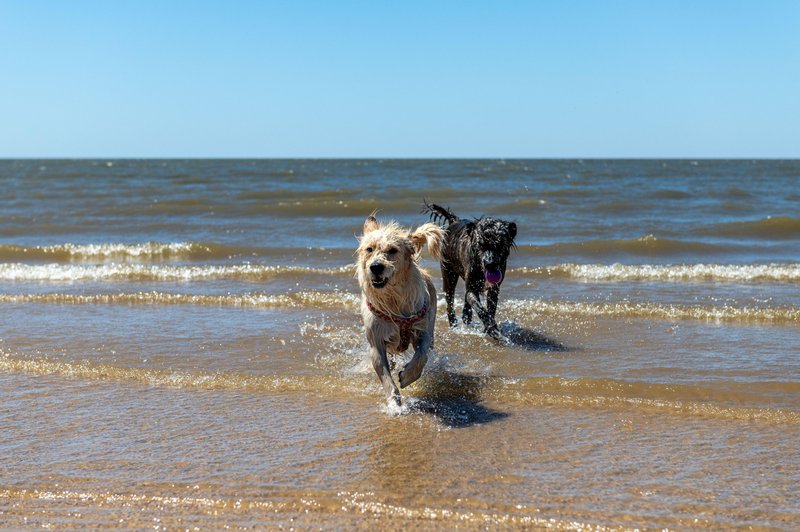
431,234
438,213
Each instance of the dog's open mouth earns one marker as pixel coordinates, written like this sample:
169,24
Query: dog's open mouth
379,282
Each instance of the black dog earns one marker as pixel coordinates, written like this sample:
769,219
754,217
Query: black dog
475,250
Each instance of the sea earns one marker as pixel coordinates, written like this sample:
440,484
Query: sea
181,348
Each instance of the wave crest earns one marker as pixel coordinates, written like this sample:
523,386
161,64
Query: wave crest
145,272
305,299
673,273
783,315
517,308
645,246
771,228
145,252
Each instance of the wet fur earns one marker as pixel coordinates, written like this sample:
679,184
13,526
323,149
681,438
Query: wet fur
469,246
400,289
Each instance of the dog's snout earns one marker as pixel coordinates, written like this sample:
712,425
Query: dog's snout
489,259
376,268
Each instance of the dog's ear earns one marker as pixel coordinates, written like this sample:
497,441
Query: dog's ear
431,234
512,230
370,224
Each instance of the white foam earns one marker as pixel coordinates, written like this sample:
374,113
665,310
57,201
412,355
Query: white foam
672,273
408,406
391,408
147,272
124,250
625,309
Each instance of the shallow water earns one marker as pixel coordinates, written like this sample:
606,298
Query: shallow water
180,346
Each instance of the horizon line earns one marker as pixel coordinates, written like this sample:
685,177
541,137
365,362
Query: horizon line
392,158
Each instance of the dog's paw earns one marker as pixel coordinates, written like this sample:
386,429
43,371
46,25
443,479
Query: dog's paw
413,370
395,399
394,407
408,376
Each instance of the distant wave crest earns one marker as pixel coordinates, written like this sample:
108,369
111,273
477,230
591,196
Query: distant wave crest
645,246
773,228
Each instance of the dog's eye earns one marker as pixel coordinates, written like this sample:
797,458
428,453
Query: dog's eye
392,251
369,250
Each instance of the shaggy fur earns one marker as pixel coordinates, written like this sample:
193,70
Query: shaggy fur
475,250
397,288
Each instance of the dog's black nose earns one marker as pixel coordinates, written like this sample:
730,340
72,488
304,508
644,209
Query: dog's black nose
376,268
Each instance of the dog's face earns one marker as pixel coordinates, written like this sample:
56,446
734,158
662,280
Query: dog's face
495,239
384,254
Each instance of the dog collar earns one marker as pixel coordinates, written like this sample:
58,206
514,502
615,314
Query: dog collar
404,324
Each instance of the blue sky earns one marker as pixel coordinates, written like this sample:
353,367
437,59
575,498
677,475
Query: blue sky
400,79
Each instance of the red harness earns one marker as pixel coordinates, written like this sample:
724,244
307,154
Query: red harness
404,324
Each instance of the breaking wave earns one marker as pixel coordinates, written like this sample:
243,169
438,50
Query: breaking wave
144,252
146,272
514,308
58,272
782,315
741,273
313,299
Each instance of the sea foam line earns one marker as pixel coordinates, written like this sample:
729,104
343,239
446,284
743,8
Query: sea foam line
254,272
118,251
728,313
312,505
157,377
147,252
672,273
537,391
515,308
148,272
688,408
302,299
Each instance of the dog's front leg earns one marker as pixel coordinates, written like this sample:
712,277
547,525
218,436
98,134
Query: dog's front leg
381,364
489,324
466,312
413,370
449,283
491,307
491,300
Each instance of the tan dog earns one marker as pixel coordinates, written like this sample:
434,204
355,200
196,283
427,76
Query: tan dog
398,301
